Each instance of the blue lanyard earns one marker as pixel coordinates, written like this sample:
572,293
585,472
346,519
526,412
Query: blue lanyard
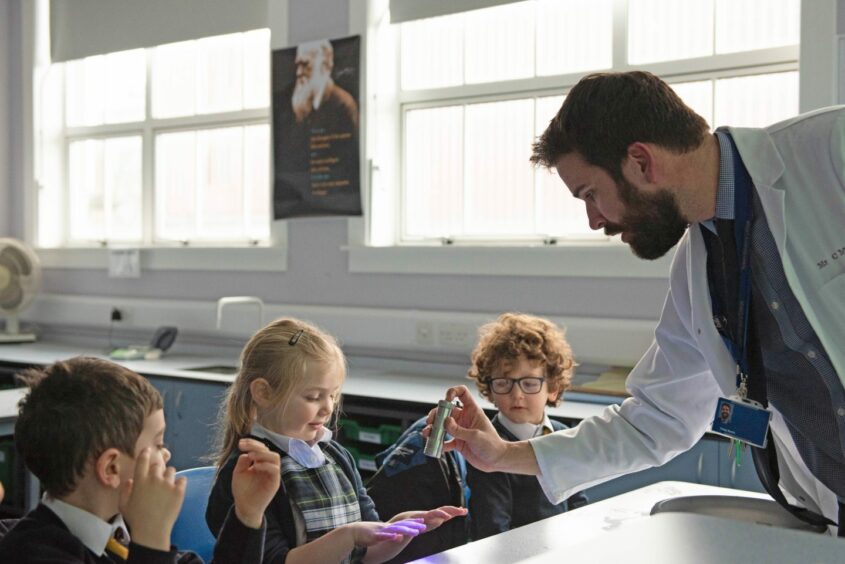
743,189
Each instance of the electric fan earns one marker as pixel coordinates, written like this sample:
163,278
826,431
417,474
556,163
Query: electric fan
20,279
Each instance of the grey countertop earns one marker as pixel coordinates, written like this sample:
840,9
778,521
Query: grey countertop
409,381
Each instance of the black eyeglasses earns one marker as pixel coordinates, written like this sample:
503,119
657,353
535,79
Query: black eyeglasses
528,384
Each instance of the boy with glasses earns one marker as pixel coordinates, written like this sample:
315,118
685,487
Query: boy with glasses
521,363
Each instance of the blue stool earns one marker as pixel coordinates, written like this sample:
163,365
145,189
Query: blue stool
190,531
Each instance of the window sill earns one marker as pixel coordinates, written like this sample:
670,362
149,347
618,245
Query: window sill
584,260
260,259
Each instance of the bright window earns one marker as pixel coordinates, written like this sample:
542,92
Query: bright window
456,110
159,146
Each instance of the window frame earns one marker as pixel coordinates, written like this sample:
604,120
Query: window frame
268,256
599,257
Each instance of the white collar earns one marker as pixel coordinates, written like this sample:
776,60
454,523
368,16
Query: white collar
525,431
310,456
91,531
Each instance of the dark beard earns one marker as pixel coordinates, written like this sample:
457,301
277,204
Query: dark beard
653,222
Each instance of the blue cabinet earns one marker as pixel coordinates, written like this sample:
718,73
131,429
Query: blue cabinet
700,465
190,410
742,477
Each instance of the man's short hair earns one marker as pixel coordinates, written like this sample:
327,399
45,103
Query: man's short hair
605,112
77,409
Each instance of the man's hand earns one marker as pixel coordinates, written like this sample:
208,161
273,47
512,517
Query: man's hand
150,502
432,518
255,481
473,434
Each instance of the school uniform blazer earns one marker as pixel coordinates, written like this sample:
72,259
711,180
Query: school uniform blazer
281,530
42,538
499,501
798,170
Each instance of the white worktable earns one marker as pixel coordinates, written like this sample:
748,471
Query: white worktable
619,529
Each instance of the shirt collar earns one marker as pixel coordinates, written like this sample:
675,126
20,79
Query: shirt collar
525,431
310,456
91,531
725,190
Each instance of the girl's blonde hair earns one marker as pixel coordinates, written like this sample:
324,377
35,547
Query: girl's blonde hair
281,353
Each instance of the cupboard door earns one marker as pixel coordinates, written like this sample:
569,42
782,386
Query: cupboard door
699,465
195,406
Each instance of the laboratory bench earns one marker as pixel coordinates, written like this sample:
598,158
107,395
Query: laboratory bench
381,397
622,529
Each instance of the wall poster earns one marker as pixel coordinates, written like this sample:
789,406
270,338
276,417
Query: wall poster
315,129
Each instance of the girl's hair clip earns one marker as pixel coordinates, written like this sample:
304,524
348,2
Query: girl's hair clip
296,336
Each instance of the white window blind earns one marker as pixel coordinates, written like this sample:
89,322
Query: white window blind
83,28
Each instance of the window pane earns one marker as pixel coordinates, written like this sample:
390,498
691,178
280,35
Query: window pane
257,180
220,182
176,185
105,189
756,101
697,95
433,172
574,36
756,24
432,52
122,180
202,189
499,179
125,86
666,30
496,47
220,73
557,212
87,195
256,65
174,78
86,87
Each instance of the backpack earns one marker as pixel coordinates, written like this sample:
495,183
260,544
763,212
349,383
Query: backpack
408,480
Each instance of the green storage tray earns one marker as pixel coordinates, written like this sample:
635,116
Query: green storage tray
385,434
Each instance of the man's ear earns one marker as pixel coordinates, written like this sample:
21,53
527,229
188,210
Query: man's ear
640,165
260,390
107,468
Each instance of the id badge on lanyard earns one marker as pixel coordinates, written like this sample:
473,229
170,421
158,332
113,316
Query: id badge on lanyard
738,417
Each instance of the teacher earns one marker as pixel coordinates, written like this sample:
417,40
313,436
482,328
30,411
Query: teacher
755,313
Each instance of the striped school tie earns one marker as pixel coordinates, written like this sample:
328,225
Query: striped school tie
116,546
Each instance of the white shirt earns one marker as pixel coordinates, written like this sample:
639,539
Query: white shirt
310,456
91,531
525,431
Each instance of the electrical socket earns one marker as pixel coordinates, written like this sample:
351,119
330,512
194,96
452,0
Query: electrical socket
455,335
425,333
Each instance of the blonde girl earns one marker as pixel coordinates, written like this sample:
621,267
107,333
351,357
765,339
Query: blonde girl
284,395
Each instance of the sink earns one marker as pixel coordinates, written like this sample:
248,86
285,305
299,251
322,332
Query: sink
214,369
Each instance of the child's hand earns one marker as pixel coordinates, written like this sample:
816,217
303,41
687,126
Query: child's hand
255,481
433,518
151,500
368,533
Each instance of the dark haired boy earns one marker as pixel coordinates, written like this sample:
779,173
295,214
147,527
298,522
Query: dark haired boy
92,432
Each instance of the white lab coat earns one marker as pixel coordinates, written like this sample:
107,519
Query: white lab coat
798,170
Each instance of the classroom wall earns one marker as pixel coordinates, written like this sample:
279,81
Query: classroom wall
317,267
6,56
